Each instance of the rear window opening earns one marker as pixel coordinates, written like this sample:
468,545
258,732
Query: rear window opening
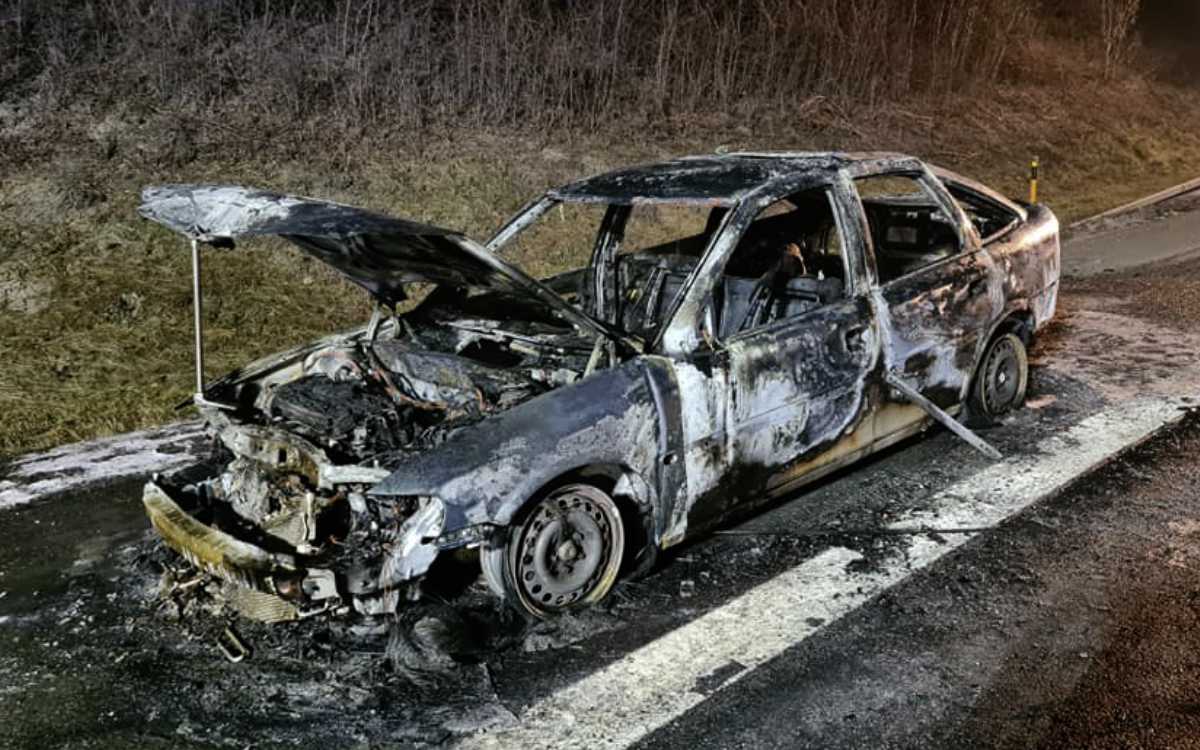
909,227
990,219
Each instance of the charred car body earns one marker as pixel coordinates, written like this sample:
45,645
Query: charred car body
572,428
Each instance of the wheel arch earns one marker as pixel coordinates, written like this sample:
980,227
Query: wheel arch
635,497
1017,319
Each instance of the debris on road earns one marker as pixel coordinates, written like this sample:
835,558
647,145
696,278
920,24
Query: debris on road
232,646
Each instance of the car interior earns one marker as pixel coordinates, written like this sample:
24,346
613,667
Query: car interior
757,291
750,293
991,219
909,230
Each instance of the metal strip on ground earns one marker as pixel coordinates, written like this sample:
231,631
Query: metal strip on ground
646,690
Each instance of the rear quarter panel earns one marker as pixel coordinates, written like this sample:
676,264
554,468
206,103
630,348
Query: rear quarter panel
1029,257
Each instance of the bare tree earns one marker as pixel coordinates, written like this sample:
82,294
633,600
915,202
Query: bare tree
532,63
1117,18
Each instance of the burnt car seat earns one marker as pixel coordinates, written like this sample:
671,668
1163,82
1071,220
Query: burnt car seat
750,304
647,287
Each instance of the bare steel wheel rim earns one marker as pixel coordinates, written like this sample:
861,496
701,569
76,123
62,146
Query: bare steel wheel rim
568,549
1002,377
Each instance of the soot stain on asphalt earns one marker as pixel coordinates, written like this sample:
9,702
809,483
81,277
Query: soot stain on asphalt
440,668
98,651
713,681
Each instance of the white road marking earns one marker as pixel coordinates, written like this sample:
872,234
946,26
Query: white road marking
654,685
73,466
1002,489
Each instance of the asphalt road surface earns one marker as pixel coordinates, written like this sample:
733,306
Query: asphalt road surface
1155,233
929,598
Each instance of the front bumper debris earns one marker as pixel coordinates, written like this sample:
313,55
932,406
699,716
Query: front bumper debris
277,586
260,585
210,549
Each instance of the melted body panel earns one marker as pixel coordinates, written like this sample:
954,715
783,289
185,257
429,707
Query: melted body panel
369,453
936,318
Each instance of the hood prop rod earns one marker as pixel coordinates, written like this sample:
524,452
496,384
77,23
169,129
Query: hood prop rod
197,319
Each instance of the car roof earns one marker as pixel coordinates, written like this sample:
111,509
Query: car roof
717,179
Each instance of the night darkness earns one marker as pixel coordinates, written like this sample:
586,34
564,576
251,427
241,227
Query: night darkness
1173,26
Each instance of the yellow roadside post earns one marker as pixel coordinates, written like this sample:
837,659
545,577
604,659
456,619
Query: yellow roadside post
1033,180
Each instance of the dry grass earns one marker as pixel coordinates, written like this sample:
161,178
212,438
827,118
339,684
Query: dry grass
94,304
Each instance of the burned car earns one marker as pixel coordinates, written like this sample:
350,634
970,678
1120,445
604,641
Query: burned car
822,307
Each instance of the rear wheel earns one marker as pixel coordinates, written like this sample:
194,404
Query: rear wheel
1002,378
564,553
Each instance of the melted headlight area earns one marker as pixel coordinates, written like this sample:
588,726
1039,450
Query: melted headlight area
288,525
284,546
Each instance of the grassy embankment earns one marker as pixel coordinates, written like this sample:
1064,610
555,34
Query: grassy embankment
95,303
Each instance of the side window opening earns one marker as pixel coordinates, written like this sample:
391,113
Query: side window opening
788,262
909,228
660,247
989,218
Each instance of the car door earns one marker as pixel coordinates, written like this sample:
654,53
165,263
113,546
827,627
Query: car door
798,386
938,288
796,380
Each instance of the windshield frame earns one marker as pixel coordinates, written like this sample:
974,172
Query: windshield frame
607,245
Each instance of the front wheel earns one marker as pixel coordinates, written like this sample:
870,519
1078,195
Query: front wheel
564,553
1002,378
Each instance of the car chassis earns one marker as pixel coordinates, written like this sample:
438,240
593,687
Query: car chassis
572,428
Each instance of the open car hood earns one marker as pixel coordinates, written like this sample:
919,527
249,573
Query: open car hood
379,253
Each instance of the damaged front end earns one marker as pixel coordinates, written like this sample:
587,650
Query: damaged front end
321,556
290,531
289,523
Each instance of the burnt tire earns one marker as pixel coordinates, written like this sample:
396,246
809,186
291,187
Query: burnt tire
1001,379
563,553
